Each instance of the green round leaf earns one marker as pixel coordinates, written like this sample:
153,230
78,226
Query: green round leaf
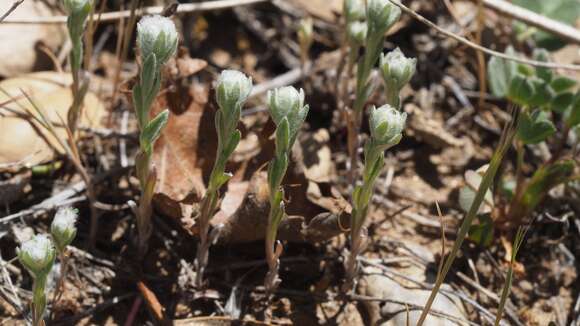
535,128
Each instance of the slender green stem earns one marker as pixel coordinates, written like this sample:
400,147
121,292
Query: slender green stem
374,159
275,215
518,241
38,304
63,256
504,294
392,95
208,207
520,152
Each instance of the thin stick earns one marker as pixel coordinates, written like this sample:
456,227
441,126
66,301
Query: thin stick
116,15
480,48
12,8
533,19
123,50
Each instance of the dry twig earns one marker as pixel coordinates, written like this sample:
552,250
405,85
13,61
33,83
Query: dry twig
533,19
116,15
480,48
11,9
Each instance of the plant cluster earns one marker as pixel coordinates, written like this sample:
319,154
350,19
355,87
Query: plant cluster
233,88
38,254
386,124
288,111
549,112
78,12
367,29
157,42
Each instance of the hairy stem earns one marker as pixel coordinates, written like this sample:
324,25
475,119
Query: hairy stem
63,256
208,207
38,304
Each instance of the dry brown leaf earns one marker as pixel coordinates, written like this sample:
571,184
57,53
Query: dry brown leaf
27,145
185,65
184,149
319,169
22,56
323,9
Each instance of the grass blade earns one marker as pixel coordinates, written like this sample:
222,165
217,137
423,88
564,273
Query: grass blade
505,141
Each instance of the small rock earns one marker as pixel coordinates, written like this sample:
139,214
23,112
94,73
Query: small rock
374,283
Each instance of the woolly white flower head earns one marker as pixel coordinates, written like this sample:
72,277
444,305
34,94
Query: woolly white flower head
386,124
233,88
63,227
65,218
157,35
357,33
37,254
381,15
353,10
396,67
287,104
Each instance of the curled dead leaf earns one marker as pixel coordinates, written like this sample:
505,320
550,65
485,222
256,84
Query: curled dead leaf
22,54
24,140
182,154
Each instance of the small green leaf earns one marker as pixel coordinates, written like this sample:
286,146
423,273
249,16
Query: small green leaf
498,76
138,104
356,197
543,94
562,83
525,70
535,128
572,114
149,73
232,144
562,102
482,233
152,130
520,90
276,171
283,137
222,178
544,73
544,179
149,96
377,167
565,11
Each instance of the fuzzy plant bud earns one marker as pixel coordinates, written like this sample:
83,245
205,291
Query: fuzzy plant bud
233,88
397,69
353,10
386,124
157,35
63,228
37,255
357,33
287,107
78,6
381,15
305,32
